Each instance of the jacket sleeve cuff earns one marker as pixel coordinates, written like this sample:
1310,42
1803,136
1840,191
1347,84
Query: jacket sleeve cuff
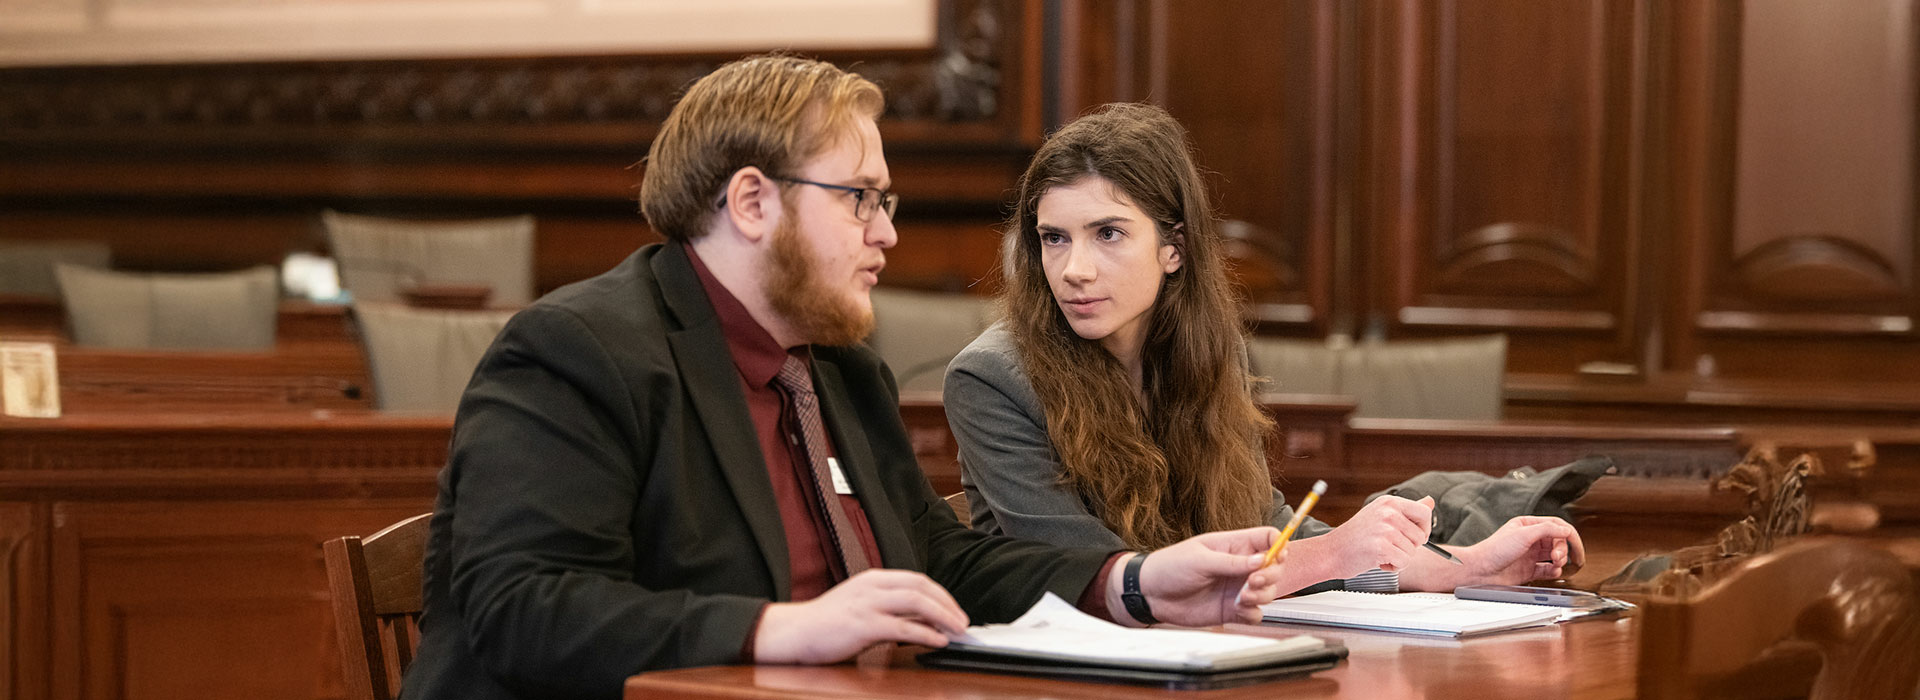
1093,600
753,633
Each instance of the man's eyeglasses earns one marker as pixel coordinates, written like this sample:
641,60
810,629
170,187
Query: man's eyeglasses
865,199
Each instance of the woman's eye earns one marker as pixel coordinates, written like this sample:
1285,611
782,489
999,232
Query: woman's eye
1051,238
1110,233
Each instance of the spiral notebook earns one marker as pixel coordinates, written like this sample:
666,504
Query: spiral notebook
1409,613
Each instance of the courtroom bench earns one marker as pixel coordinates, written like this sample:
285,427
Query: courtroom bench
316,363
178,555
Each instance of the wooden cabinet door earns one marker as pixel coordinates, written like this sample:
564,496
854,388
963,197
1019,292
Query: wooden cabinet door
201,600
1793,184
1499,174
1255,83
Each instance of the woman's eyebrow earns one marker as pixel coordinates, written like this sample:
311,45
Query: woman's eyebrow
1096,223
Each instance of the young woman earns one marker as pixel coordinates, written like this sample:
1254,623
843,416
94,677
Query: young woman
1112,405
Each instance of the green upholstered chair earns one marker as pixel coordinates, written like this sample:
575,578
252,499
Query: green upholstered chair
1457,378
167,311
379,258
918,333
421,359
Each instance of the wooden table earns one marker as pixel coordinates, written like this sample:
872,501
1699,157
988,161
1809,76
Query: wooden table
1591,658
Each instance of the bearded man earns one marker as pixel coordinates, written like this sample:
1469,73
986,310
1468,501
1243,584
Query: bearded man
690,460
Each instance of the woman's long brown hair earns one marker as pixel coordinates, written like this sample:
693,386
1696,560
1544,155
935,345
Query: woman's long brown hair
1190,459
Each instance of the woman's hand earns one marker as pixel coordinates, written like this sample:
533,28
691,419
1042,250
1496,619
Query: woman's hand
1385,534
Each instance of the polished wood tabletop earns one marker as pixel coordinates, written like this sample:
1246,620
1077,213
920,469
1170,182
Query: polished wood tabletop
1592,658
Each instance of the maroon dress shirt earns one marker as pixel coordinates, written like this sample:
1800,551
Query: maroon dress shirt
812,563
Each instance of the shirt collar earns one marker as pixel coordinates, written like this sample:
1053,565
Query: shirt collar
756,355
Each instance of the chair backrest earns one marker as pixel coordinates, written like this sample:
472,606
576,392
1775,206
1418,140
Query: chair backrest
164,311
422,359
378,256
1296,366
376,587
918,333
26,267
1458,378
1825,618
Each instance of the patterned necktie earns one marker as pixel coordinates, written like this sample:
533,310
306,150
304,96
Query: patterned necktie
799,386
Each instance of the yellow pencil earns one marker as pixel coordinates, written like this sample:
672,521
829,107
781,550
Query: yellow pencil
1319,487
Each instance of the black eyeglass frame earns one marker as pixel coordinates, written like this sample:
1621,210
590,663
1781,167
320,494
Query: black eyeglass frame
882,199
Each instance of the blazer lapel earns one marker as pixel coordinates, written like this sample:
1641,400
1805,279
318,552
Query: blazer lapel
857,461
706,369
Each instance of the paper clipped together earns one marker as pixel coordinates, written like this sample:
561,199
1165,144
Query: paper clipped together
1054,630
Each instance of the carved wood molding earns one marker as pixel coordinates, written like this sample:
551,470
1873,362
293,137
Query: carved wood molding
1543,260
1817,268
602,99
16,529
270,454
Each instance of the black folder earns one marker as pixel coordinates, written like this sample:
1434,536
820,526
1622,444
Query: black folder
1028,663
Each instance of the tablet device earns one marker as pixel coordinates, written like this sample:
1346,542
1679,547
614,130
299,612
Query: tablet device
1530,595
1318,660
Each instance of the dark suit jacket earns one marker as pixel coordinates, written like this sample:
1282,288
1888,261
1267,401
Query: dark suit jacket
605,510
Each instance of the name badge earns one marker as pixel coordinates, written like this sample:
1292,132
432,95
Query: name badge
840,485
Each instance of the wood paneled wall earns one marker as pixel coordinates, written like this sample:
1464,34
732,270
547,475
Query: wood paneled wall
1678,196
1701,197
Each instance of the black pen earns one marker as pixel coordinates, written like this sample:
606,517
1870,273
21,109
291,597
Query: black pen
1436,549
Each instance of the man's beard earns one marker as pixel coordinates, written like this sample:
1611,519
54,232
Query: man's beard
820,313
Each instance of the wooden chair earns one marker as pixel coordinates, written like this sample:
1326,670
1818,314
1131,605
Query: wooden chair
1819,617
376,604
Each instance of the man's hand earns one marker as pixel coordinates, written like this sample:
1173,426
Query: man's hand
1526,548
1207,579
876,605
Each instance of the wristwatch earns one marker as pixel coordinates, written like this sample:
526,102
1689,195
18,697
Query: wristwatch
1130,594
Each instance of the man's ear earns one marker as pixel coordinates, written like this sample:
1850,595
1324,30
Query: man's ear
1171,252
753,203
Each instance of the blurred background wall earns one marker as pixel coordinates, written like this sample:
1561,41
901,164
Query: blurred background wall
1637,192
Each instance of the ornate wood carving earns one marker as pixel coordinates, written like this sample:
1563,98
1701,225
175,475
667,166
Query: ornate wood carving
1821,618
543,99
1777,503
1778,508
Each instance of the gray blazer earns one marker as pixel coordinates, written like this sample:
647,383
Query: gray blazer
1007,463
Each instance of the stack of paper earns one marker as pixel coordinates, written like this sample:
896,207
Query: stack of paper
1413,613
1054,630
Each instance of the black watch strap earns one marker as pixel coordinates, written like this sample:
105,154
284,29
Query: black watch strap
1130,594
